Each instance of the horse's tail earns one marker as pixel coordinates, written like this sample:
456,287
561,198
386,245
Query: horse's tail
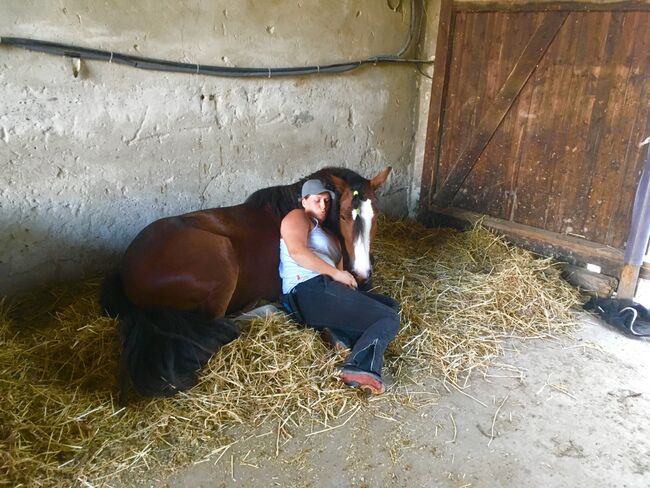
112,298
163,349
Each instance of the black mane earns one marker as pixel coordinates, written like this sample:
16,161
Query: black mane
279,199
284,198
353,179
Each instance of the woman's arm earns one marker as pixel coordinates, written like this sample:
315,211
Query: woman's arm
295,229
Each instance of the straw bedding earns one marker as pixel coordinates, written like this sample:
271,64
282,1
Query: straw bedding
462,294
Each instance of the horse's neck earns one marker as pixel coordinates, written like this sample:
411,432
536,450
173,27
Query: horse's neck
273,215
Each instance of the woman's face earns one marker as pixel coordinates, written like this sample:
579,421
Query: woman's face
317,206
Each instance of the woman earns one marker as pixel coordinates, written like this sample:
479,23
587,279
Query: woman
326,296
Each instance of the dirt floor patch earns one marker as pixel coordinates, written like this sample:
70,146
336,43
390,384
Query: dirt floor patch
571,412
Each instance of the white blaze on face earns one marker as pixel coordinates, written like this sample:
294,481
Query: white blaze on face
361,265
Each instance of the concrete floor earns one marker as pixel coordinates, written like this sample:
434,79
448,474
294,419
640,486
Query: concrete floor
572,412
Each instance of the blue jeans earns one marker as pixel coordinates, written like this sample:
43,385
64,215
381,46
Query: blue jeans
366,321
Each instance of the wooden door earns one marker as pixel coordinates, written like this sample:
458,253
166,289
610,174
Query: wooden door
535,121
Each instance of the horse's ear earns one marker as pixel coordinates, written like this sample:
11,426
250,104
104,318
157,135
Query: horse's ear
339,184
380,178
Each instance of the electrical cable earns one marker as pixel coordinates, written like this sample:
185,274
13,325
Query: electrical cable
140,62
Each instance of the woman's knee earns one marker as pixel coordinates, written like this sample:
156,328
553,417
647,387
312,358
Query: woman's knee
391,303
394,304
385,300
391,323
396,324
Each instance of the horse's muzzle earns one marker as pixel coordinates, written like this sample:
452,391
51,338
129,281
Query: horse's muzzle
364,283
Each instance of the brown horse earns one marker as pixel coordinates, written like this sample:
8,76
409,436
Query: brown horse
182,275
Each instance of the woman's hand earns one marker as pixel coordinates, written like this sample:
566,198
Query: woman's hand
345,278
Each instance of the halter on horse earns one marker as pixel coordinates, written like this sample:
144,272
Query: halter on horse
182,275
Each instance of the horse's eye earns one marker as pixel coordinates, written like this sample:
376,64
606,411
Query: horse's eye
345,215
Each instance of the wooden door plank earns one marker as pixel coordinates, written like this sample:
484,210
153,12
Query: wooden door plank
534,185
452,105
570,141
525,66
459,94
436,103
507,36
479,66
634,166
491,191
530,184
530,172
634,155
561,115
470,93
622,100
595,137
602,36
506,147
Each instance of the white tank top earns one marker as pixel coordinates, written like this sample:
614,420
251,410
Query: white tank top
321,243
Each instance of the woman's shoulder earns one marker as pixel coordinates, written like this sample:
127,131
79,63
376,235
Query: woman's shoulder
295,212
296,218
296,215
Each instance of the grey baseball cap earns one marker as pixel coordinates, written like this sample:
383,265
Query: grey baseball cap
314,187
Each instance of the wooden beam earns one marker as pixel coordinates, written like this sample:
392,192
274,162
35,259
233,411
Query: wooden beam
593,283
436,103
638,236
629,281
513,6
521,72
566,248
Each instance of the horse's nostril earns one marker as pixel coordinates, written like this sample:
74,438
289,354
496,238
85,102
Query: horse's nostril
365,285
362,277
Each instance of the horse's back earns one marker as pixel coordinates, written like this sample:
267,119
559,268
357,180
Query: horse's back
218,260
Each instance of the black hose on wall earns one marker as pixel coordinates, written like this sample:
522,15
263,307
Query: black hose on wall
72,51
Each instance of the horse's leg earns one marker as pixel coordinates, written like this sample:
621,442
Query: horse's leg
217,300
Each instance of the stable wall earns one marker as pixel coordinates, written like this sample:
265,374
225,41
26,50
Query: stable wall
86,162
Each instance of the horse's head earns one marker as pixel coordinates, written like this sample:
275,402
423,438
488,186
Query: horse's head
357,218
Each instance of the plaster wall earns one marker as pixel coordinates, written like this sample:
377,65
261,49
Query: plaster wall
426,50
86,162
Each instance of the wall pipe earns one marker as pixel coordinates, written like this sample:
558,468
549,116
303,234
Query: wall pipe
77,52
